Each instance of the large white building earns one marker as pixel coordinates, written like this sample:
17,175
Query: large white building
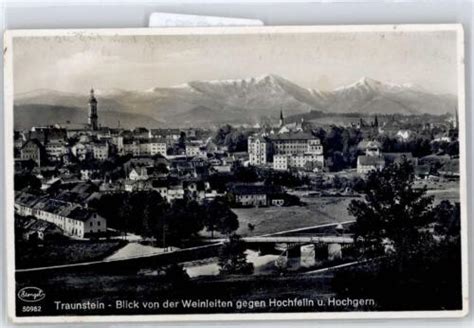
259,149
287,150
311,162
297,150
144,147
295,143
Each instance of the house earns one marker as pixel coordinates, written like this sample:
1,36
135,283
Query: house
139,173
370,148
55,150
153,146
83,222
196,149
222,168
48,134
131,147
117,141
251,195
33,150
403,135
141,133
81,150
89,173
174,192
366,164
137,185
37,230
139,161
110,187
72,219
24,203
100,150
170,135
372,160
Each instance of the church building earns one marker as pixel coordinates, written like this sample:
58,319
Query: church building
93,119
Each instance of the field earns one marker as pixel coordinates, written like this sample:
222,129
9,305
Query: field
64,252
442,190
317,211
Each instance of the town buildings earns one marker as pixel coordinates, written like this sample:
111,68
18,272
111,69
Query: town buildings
33,150
375,159
255,195
286,150
259,149
72,219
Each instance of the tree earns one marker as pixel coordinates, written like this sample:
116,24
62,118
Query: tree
221,134
176,275
424,270
392,210
447,218
182,140
161,168
453,148
219,217
232,259
22,181
246,174
180,223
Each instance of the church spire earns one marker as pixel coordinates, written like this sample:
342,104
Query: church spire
93,118
282,120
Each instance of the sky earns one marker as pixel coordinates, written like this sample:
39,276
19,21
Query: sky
313,60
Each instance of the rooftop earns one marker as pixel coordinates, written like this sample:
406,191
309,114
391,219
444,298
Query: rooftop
292,136
370,160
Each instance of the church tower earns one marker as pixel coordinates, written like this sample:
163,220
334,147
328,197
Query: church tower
282,120
93,119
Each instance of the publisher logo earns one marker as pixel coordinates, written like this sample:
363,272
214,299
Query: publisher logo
31,294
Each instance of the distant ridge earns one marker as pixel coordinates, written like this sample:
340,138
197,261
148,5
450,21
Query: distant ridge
26,116
250,100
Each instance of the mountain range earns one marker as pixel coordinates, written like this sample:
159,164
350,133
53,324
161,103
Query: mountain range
205,103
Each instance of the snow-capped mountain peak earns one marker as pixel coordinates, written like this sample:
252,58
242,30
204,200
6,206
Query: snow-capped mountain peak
251,99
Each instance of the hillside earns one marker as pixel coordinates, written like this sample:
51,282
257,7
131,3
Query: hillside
248,100
26,116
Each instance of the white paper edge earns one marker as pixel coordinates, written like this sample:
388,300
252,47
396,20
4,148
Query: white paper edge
9,171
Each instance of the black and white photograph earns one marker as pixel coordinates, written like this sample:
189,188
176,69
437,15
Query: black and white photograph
236,173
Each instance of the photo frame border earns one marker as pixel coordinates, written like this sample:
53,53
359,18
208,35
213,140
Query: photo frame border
9,170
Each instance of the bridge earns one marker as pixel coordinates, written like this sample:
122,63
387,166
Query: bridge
289,242
343,239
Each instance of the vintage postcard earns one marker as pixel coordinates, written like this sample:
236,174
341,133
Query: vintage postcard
236,173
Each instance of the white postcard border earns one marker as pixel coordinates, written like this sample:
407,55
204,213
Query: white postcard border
9,170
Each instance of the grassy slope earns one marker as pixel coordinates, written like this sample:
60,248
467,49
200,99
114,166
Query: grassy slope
64,252
274,219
